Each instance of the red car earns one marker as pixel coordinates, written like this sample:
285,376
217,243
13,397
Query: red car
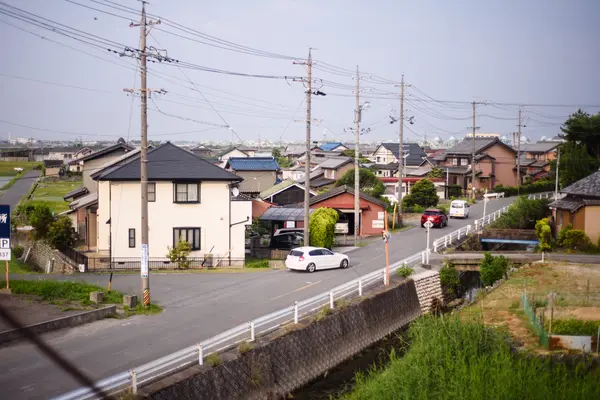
437,217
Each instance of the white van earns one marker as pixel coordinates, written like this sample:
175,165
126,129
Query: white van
459,209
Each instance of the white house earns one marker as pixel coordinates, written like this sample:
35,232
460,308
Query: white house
189,199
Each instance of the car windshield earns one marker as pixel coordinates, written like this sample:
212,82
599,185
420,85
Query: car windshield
296,253
457,205
429,212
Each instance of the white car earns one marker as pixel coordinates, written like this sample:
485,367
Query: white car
459,209
311,259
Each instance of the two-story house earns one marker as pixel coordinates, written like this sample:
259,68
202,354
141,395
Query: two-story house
535,158
239,151
258,173
387,154
333,146
495,163
189,199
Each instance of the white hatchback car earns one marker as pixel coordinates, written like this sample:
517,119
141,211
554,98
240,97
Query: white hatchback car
313,258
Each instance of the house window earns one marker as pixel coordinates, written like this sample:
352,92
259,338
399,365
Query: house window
186,193
455,161
329,174
464,161
378,160
131,238
151,191
190,235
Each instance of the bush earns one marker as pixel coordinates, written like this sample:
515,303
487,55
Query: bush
405,271
61,233
322,227
563,233
535,187
449,278
41,219
523,214
574,327
257,264
493,268
445,208
543,232
423,193
179,254
18,251
576,240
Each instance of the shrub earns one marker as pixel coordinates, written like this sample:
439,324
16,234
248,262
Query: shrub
322,227
322,313
257,264
445,208
493,268
245,347
449,277
179,254
418,209
18,251
405,271
575,327
61,233
214,360
576,240
523,214
424,193
40,219
543,232
563,233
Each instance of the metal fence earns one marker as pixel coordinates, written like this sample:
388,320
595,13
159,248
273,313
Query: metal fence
537,321
544,195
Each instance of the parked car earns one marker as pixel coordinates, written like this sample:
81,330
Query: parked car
286,241
437,217
288,230
459,209
311,259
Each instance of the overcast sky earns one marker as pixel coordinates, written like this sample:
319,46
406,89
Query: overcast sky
509,51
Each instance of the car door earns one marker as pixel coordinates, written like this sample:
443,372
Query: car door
316,257
330,259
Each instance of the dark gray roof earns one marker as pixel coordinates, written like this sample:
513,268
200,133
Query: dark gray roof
466,146
344,189
539,147
586,187
284,214
335,162
76,193
573,204
105,151
53,163
414,151
320,182
169,162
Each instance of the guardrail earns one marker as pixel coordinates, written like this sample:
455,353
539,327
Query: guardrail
248,331
544,195
496,195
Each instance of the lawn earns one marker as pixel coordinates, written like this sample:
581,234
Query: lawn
52,193
7,168
18,267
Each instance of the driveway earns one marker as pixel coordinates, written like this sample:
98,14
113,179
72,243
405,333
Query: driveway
197,306
15,193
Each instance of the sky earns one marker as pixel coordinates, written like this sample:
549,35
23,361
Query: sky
539,54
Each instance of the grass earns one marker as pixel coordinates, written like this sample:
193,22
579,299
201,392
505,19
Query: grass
19,267
322,313
451,358
52,193
48,290
245,347
405,271
14,180
152,309
256,263
214,360
7,168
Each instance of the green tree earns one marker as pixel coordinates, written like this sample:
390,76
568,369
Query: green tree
449,278
423,193
276,152
493,268
40,219
322,227
584,128
179,254
283,161
436,173
61,233
543,232
368,182
575,163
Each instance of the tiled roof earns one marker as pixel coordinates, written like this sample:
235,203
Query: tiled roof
278,188
586,187
344,189
331,146
414,151
169,162
573,204
335,162
539,147
53,163
114,164
106,150
320,182
84,201
252,164
466,146
76,193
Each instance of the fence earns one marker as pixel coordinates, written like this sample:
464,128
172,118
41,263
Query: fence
537,321
248,331
455,236
75,256
544,195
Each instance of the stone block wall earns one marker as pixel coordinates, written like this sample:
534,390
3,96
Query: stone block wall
283,364
428,287
41,253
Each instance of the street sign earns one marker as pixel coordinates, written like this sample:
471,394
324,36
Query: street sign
380,214
377,224
4,243
5,233
144,261
5,254
428,225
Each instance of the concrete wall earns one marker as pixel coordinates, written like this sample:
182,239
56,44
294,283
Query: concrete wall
428,287
41,254
256,181
279,366
592,222
211,215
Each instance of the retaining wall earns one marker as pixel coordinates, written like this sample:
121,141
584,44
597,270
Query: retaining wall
428,287
41,253
279,365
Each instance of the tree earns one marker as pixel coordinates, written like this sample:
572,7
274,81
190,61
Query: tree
583,128
544,233
436,173
575,163
283,162
276,152
368,182
40,219
322,227
423,193
493,268
61,233
179,254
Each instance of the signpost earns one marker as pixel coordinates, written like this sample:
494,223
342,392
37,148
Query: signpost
5,238
485,201
428,225
386,238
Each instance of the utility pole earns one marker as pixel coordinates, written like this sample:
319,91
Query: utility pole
474,127
519,154
401,151
143,55
556,173
357,111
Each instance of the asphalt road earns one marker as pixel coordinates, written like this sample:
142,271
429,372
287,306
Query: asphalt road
197,306
13,194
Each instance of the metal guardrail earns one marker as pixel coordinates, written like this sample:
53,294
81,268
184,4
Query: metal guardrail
544,195
248,331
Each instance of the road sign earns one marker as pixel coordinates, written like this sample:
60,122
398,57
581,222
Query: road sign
4,243
378,224
428,225
5,254
380,214
4,221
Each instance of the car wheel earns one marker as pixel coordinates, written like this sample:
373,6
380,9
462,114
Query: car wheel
311,268
344,264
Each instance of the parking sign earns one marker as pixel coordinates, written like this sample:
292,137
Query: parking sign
4,232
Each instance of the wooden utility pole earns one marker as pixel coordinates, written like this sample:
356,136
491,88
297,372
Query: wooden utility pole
474,128
519,154
143,55
356,157
307,161
401,150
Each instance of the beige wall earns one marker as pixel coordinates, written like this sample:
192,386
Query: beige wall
592,222
263,181
92,166
385,156
505,162
211,216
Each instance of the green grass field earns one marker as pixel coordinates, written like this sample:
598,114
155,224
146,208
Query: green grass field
52,193
18,267
7,168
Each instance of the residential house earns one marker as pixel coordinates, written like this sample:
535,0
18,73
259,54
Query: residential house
335,167
391,186
317,180
52,167
294,173
535,158
64,154
294,151
286,192
333,146
366,150
258,173
11,153
495,163
387,154
203,152
580,206
238,151
189,199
